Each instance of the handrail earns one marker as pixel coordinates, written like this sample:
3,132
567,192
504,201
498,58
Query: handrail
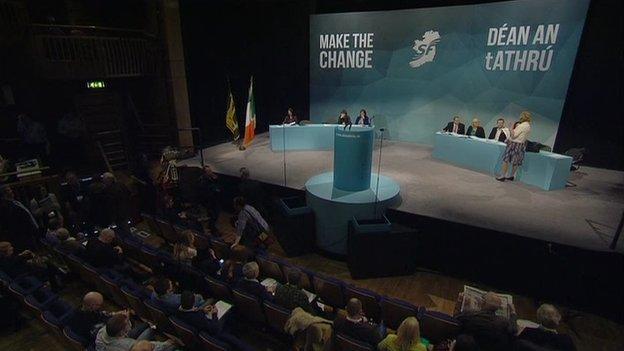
87,27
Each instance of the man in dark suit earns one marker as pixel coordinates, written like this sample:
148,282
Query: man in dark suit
101,252
475,129
546,334
16,221
500,132
250,284
355,325
455,126
203,319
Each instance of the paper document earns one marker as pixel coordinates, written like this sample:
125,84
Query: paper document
222,308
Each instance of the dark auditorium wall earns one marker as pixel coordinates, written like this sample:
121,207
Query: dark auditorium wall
270,40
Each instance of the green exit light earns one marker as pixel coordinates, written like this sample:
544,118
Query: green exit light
96,84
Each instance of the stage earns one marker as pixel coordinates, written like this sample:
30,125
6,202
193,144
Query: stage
584,215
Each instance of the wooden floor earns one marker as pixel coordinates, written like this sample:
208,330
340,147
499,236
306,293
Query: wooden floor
434,291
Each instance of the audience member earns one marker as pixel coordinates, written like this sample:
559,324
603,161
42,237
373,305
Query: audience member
250,284
546,334
407,338
17,221
206,259
75,199
64,241
203,319
355,324
490,331
210,197
164,297
318,331
184,250
99,211
24,263
114,336
117,198
251,229
101,252
290,295
232,270
464,342
44,204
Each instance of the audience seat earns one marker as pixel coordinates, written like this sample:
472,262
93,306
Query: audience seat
185,332
39,300
269,268
330,290
210,343
159,317
276,316
437,326
345,343
76,341
151,223
135,301
394,311
167,231
218,289
25,285
113,289
221,248
370,301
55,316
249,307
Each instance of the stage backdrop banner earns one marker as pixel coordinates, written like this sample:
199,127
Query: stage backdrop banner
415,69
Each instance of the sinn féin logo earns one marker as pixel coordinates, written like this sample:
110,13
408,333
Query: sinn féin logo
425,48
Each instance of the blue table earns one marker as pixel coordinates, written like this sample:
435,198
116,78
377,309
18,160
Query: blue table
305,137
545,170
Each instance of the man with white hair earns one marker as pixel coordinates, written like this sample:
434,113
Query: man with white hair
546,334
250,284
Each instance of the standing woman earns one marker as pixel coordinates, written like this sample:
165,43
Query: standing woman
516,147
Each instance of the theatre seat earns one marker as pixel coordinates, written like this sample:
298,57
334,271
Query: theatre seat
75,341
394,311
151,223
438,326
159,317
218,289
370,301
25,285
210,343
248,307
135,301
276,316
113,288
221,248
330,291
345,343
185,332
55,316
167,231
39,300
269,268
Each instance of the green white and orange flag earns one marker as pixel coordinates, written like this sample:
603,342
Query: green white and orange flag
231,122
250,117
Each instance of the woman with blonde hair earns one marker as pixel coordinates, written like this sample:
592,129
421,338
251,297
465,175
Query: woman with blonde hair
184,250
516,147
407,338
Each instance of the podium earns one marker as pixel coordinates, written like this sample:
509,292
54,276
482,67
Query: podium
353,158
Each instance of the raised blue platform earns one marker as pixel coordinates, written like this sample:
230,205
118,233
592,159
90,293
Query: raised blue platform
333,208
545,170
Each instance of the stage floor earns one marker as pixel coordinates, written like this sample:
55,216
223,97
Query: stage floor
585,215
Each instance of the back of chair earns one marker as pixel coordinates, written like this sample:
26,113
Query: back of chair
167,231
270,268
151,223
76,342
221,248
114,291
218,289
250,307
437,326
394,311
370,301
185,332
304,280
276,316
137,305
329,290
210,343
90,275
345,343
52,323
159,317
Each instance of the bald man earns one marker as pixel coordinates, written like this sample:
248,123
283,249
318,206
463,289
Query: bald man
101,252
86,320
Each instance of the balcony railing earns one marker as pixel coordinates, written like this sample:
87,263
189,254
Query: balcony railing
13,21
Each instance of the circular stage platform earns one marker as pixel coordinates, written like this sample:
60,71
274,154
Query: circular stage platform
334,208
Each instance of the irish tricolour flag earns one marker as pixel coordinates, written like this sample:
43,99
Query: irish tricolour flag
250,117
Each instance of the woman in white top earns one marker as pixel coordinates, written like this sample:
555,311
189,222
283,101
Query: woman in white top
184,250
516,146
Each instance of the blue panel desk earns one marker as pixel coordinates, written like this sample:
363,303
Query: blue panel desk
545,170
306,137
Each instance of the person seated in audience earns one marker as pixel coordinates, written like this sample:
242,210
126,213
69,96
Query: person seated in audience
101,252
251,229
64,241
464,342
114,336
164,296
290,295
184,250
17,223
407,338
203,319
75,199
90,317
250,284
143,345
490,331
455,126
206,259
117,197
546,334
53,226
44,203
24,263
357,326
232,270
475,129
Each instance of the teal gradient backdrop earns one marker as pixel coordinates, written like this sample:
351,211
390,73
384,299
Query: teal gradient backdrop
413,103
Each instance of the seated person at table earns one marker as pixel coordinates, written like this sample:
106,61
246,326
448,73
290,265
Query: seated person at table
291,117
355,325
344,118
203,319
250,284
500,132
546,334
455,126
475,129
362,119
407,338
164,297
290,295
